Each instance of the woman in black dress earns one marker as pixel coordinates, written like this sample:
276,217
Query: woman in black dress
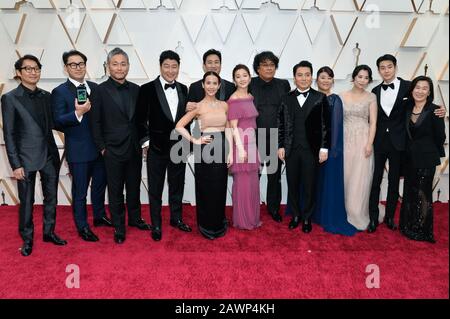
425,147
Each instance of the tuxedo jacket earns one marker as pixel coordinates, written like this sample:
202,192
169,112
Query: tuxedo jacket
113,122
197,92
395,121
425,146
79,143
28,141
155,122
317,123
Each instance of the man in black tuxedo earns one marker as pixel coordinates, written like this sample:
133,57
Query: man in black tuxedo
113,125
267,91
390,138
86,164
161,104
31,148
304,139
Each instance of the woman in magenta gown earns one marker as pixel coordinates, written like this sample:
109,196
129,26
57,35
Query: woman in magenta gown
242,115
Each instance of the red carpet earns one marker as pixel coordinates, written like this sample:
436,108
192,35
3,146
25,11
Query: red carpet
271,262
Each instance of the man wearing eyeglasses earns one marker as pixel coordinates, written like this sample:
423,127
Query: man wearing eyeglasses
86,164
31,148
267,91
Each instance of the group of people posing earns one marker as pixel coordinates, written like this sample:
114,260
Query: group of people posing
334,147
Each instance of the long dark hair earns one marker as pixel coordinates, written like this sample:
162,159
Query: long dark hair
430,97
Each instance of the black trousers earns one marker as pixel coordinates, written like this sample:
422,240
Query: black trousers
386,151
120,173
49,181
157,165
301,169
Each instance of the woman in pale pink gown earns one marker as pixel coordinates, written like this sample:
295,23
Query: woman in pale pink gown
360,116
242,115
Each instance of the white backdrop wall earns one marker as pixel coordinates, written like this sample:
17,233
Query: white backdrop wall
337,33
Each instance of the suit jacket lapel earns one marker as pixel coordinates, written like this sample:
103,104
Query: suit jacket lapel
401,93
309,103
181,109
162,99
408,119
131,103
71,87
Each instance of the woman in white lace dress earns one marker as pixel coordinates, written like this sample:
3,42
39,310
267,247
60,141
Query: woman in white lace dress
360,120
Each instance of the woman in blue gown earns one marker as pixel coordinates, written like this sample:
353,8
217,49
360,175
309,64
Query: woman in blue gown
330,205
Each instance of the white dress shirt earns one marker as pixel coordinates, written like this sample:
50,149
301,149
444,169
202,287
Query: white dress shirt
301,98
388,97
88,89
171,96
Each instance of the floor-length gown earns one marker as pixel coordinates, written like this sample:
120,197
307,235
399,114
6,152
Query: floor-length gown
246,196
211,176
330,210
358,170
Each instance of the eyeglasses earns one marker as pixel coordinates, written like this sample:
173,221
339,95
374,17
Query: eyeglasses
267,65
74,65
30,69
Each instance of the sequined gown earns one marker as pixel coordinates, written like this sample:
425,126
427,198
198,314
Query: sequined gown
358,170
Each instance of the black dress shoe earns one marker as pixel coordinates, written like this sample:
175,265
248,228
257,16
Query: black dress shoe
276,216
372,226
26,249
390,223
141,224
307,226
119,238
180,225
52,238
104,221
156,234
87,234
295,221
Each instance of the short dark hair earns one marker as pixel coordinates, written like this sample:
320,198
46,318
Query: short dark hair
212,52
240,67
169,55
327,70
360,68
68,54
303,64
386,57
263,56
18,64
418,79
209,74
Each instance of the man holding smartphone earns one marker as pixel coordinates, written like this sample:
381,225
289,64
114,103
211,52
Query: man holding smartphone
71,106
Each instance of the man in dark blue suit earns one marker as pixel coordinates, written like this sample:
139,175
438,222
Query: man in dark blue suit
85,161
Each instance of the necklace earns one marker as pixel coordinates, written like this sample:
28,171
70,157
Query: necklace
213,104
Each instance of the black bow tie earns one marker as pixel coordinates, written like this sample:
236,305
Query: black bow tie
386,86
172,86
298,93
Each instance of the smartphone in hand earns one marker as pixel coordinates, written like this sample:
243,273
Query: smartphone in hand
81,95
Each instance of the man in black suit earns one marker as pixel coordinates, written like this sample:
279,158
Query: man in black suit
212,62
304,139
31,148
113,125
86,164
390,138
161,104
267,91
